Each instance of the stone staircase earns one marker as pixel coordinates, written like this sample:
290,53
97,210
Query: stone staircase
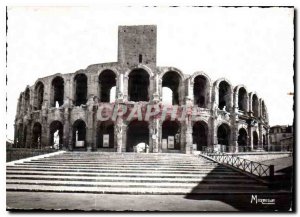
127,173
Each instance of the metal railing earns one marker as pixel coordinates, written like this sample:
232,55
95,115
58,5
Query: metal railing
252,167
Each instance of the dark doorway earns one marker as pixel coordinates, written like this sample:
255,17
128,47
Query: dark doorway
137,132
171,131
255,140
105,134
36,135
138,85
223,134
56,134
242,138
200,135
79,134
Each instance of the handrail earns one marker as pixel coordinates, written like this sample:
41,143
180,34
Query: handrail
252,167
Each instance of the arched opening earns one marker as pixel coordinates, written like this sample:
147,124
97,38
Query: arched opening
255,140
172,80
36,135
138,85
56,134
242,99
80,81
242,139
79,134
200,130
27,99
200,91
57,92
255,105
167,96
224,96
107,81
171,134
137,133
39,95
105,134
223,134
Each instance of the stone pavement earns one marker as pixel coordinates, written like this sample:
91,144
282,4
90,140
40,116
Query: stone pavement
119,202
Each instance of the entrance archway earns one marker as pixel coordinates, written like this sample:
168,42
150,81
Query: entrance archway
224,96
105,134
56,134
200,130
255,140
137,132
36,135
223,134
242,139
79,134
171,133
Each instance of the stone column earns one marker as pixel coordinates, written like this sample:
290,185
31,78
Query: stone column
28,134
120,131
120,94
90,124
260,136
188,137
235,137
154,134
250,137
66,129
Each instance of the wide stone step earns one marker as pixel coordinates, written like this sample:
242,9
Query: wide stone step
116,170
128,175
116,164
204,189
125,184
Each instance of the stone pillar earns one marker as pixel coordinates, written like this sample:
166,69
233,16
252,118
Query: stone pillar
156,89
188,137
120,132
120,94
90,124
154,134
260,136
250,137
66,134
189,97
235,137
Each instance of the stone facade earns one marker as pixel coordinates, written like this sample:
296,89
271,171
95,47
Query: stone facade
69,104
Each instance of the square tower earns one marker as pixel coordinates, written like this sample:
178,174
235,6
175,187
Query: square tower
137,45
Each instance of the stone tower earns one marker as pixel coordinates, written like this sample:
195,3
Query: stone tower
137,45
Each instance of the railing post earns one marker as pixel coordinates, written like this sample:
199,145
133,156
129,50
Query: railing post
271,175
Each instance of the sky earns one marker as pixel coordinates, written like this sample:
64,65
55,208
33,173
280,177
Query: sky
250,46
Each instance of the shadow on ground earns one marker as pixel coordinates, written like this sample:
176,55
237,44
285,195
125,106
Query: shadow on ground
279,197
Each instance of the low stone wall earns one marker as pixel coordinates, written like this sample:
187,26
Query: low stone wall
262,156
13,154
